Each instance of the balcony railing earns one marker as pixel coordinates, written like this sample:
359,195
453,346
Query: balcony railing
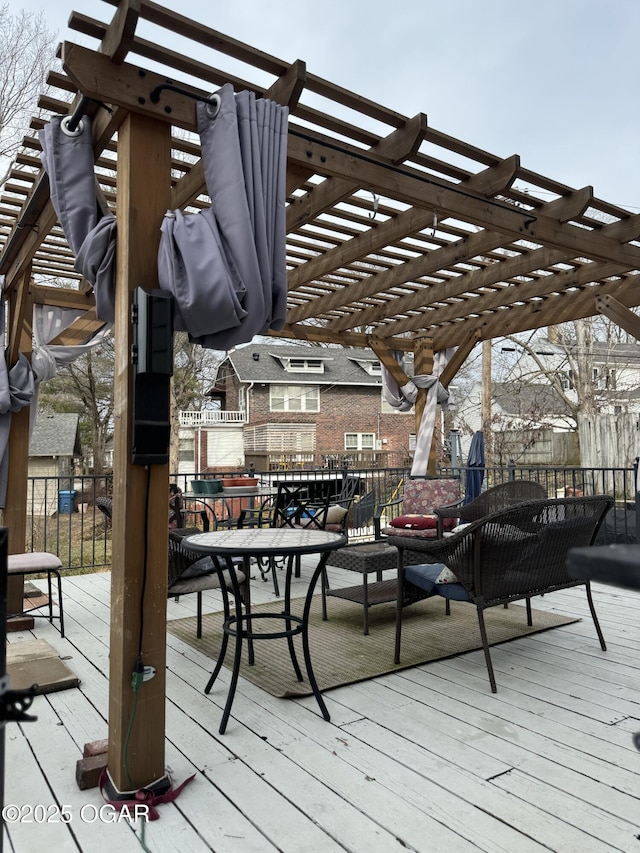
62,516
210,417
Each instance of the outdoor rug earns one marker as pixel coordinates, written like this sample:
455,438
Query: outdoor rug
341,654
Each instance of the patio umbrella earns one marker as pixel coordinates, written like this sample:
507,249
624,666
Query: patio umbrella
226,265
67,157
475,468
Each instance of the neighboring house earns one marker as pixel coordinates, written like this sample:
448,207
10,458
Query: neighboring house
107,461
296,405
615,371
537,426
54,449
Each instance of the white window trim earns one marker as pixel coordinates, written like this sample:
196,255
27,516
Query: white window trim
359,443
302,392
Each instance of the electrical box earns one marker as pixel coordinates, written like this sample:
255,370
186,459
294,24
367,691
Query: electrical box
152,359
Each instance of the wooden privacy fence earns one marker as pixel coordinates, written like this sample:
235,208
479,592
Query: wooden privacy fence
614,438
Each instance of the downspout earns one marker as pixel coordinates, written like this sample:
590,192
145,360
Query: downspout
246,397
246,415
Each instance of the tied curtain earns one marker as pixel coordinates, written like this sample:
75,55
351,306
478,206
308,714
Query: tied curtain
67,157
226,265
404,397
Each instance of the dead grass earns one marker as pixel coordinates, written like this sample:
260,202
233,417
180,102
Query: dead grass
82,541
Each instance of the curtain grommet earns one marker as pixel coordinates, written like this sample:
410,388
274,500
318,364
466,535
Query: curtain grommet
71,131
213,106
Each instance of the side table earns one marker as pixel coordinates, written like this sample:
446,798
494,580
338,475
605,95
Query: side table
366,558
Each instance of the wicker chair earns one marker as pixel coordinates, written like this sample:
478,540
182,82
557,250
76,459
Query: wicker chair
507,556
497,497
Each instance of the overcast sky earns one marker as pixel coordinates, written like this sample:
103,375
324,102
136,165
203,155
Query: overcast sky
555,81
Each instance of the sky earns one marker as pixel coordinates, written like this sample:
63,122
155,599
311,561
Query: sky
554,81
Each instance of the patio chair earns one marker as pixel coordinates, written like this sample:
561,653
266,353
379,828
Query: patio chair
495,498
189,572
416,510
178,513
507,556
303,507
39,563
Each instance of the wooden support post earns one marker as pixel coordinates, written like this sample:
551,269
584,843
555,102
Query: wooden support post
423,364
15,511
140,527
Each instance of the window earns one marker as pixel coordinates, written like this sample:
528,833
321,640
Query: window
313,365
186,449
373,368
294,398
359,440
387,408
566,380
302,365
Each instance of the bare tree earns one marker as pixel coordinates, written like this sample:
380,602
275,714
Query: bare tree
86,387
586,360
194,371
27,48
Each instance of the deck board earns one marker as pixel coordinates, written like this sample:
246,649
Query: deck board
420,760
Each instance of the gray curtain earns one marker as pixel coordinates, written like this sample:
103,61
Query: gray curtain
403,398
67,158
226,265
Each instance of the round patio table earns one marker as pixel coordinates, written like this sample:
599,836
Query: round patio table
223,546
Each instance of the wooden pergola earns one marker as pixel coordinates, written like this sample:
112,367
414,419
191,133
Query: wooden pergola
399,237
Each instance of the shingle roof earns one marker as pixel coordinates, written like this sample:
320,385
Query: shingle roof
342,366
55,434
517,398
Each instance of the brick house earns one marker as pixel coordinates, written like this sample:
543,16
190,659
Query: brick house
299,406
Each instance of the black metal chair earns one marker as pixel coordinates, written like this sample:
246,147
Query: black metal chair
509,555
188,572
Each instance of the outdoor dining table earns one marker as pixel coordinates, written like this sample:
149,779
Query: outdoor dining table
263,543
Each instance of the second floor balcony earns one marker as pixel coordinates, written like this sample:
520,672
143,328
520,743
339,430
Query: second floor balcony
210,417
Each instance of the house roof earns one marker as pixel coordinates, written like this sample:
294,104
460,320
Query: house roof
55,434
460,244
600,352
529,399
340,365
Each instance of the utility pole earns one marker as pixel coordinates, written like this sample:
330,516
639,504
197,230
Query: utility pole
486,400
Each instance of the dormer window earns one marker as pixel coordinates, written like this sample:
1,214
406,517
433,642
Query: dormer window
305,365
373,368
301,365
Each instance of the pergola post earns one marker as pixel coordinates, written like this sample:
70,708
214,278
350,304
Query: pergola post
423,364
15,511
140,527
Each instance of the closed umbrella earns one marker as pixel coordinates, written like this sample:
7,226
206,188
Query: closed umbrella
475,468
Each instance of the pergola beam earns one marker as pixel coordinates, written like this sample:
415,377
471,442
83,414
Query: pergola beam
619,314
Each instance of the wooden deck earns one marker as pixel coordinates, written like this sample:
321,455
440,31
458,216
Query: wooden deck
426,760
